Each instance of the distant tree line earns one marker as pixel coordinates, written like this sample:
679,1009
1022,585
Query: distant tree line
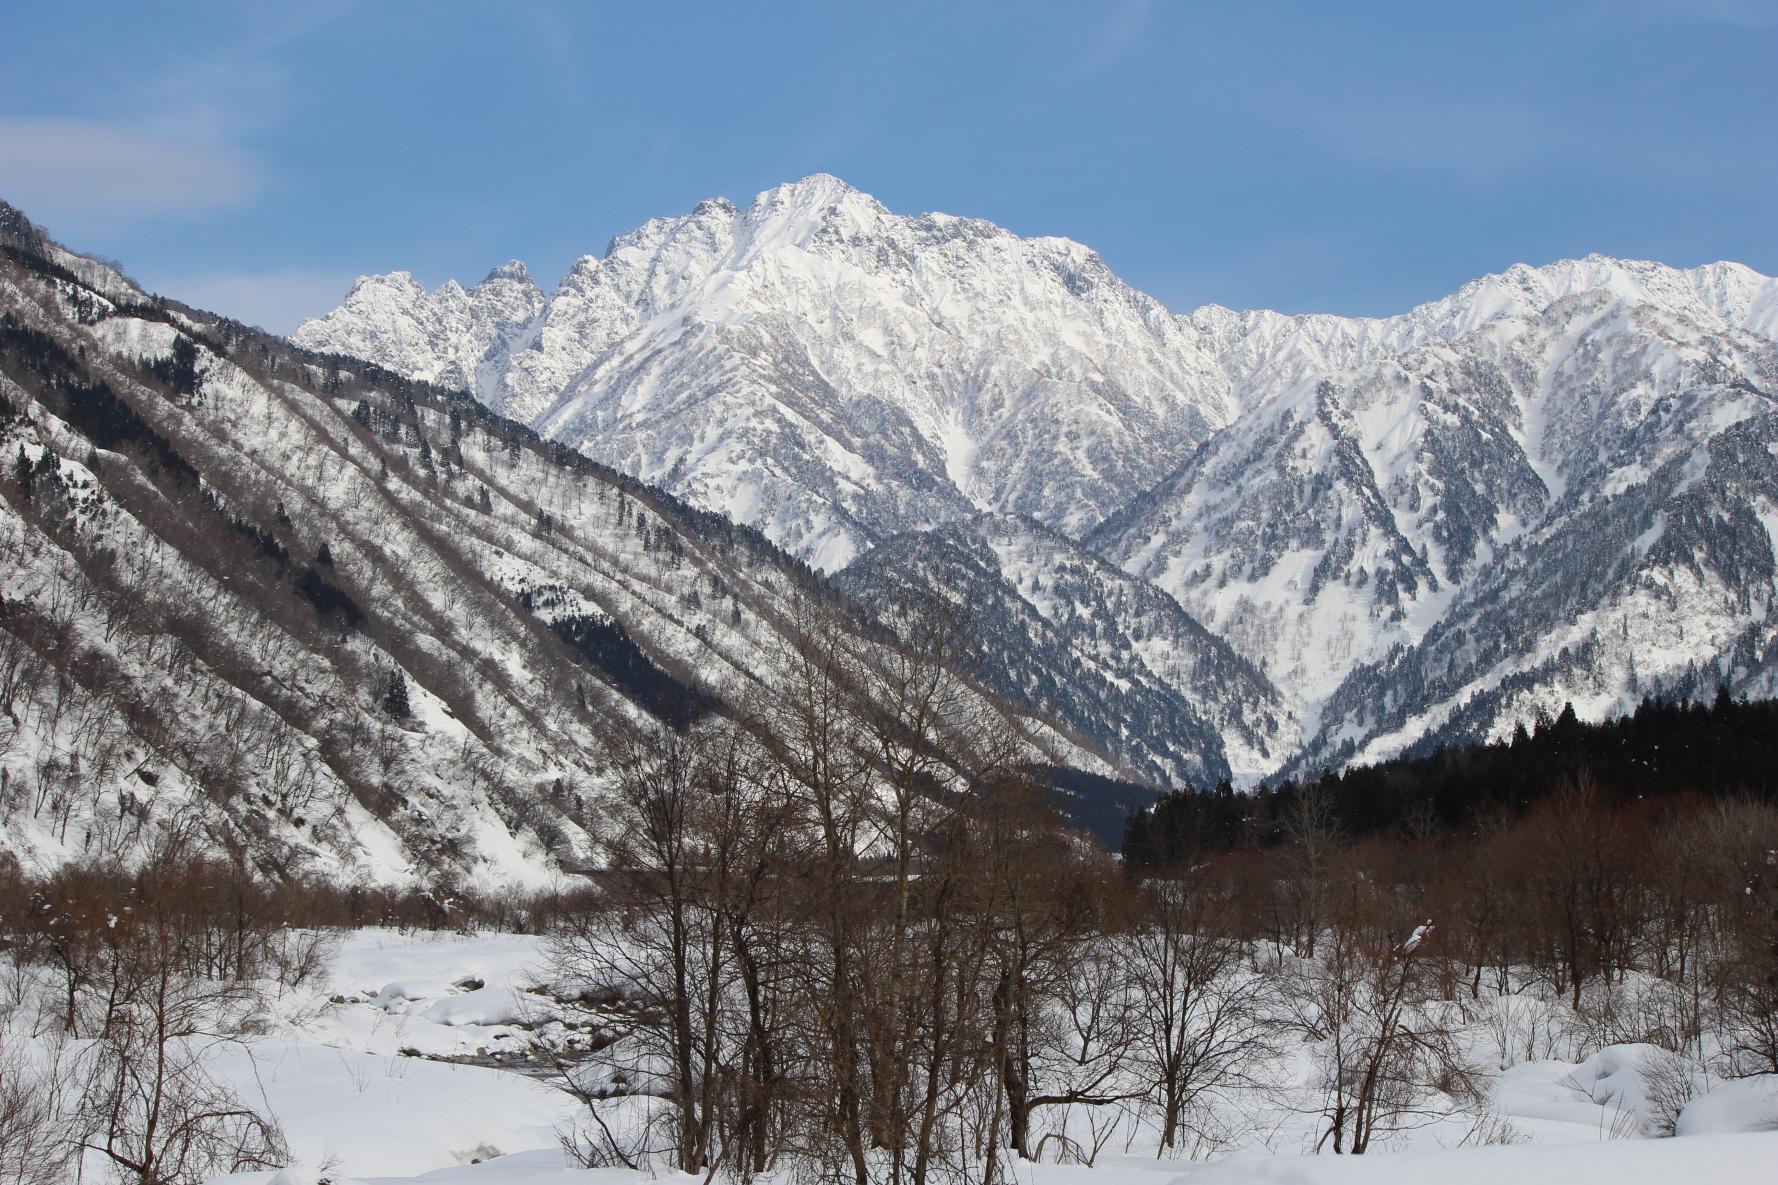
1663,750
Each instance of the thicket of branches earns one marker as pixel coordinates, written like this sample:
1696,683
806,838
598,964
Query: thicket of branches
119,984
120,988
833,933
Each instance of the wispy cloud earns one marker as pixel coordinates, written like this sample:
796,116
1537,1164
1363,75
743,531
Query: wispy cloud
1121,33
89,170
278,299
165,140
231,90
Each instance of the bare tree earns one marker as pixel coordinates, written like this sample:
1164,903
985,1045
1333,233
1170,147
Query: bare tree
1384,1043
1203,1024
1311,841
35,1147
823,766
1740,848
1580,875
1084,1050
150,1107
655,954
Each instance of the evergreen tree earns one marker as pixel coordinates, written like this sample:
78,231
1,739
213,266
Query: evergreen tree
395,703
179,370
21,472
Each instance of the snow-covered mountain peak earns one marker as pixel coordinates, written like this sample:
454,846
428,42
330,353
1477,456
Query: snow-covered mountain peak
512,270
397,282
831,371
816,194
1265,353
440,336
1322,491
1720,295
815,189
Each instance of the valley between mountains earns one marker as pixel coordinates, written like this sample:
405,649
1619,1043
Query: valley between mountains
373,602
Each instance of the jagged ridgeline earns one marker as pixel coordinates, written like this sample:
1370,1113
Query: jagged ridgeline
1554,484
332,619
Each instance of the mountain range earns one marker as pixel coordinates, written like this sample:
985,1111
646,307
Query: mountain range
373,602
342,623
1315,539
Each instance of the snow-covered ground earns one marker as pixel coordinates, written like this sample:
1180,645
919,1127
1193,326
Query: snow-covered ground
348,1071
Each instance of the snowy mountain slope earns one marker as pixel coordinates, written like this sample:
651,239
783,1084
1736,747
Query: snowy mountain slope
827,370
1073,639
1321,491
168,530
1343,521
220,557
1659,579
1264,353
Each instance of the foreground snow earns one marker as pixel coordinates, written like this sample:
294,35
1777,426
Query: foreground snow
350,1074
1745,1157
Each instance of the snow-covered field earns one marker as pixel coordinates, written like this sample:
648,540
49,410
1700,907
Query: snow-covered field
348,1070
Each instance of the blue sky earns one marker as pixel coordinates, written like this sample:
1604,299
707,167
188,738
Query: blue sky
1348,158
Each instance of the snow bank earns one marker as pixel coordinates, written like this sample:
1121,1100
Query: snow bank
1745,1105
1732,1158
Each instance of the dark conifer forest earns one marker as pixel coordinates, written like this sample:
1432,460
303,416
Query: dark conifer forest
1664,757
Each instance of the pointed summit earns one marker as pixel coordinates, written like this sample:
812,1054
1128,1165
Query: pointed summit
512,269
820,203
814,193
815,189
401,281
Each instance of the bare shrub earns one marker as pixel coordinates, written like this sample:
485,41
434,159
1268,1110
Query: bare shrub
1202,1025
1387,1047
35,1148
150,1108
1669,1081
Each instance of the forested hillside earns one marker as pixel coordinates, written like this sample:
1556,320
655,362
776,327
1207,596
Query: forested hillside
334,620
1667,759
